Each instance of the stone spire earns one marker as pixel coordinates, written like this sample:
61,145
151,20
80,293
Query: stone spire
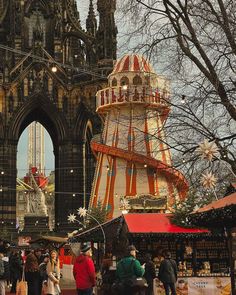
91,22
107,31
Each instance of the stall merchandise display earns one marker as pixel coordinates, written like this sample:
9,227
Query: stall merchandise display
202,257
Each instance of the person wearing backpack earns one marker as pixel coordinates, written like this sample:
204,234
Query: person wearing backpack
127,269
4,273
168,274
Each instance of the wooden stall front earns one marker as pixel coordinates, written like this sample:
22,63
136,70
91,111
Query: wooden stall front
202,258
221,214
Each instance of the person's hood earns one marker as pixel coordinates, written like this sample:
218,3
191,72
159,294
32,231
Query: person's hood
81,258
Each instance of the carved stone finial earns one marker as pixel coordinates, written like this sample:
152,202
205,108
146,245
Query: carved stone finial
38,31
91,22
107,30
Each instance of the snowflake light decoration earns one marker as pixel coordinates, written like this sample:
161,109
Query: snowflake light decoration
82,212
208,180
71,218
208,150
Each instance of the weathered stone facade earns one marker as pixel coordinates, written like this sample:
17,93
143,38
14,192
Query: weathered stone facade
50,71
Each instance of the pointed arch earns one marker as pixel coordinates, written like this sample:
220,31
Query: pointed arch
43,4
39,108
82,118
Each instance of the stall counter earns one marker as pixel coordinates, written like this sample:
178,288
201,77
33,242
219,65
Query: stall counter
198,286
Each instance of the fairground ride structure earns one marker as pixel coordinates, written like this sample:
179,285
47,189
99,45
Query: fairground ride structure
134,168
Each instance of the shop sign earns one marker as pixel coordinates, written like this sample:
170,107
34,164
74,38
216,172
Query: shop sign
23,241
198,286
209,286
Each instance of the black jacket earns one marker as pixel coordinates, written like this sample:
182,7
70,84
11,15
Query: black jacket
15,267
168,271
150,272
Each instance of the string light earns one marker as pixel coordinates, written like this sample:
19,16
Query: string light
84,70
54,69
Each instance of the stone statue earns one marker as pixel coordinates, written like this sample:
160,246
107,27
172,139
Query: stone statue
36,204
42,208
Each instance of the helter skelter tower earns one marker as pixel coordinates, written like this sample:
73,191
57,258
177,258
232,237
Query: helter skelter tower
133,159
36,148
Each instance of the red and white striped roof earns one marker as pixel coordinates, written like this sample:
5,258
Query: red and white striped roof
132,63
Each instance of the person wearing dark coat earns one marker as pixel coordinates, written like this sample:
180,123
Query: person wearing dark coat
168,274
38,254
32,274
150,273
15,263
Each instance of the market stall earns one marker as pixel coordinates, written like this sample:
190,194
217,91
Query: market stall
221,214
202,257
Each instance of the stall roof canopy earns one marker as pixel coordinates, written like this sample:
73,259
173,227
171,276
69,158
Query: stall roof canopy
155,223
136,224
219,204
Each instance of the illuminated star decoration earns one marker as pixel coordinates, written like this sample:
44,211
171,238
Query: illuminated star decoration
82,212
208,150
208,180
71,218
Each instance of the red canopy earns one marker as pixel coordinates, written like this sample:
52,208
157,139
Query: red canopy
221,203
155,223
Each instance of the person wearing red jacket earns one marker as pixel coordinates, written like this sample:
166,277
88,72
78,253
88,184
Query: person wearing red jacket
84,271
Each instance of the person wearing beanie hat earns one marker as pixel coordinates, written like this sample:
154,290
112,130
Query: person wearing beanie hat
84,271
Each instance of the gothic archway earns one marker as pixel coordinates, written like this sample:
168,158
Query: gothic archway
68,152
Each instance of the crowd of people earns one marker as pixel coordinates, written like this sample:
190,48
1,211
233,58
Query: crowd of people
130,277
40,270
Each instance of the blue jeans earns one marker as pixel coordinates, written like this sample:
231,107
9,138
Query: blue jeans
85,291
